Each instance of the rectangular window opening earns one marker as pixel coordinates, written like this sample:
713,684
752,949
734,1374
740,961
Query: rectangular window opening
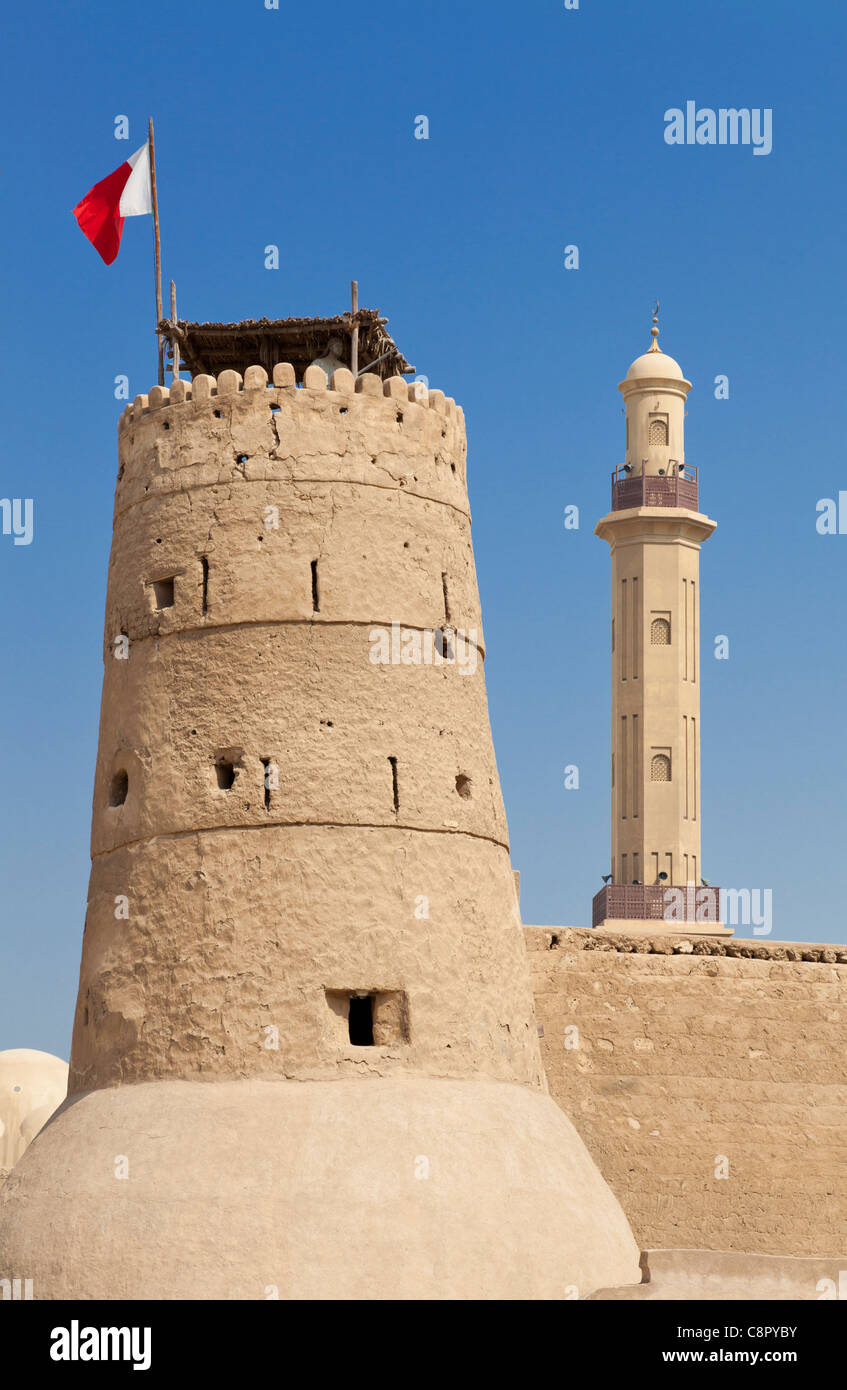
369,1017
163,592
225,772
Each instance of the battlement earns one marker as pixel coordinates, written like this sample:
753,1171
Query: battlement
247,432
682,943
205,388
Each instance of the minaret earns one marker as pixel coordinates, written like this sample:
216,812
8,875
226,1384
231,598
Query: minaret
305,1057
655,530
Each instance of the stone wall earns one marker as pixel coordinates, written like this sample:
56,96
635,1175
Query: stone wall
693,1057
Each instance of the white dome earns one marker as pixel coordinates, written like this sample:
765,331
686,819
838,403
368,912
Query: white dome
655,364
32,1085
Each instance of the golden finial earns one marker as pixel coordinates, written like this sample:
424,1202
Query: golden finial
654,331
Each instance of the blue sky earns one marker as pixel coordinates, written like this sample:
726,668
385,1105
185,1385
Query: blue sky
296,127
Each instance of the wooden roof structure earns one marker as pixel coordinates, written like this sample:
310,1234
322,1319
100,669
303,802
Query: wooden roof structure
211,348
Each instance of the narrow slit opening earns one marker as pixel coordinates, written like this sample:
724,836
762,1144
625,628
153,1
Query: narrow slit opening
205,563
394,784
444,644
316,607
446,598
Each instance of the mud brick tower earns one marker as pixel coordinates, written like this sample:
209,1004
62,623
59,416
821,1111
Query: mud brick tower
305,1058
655,530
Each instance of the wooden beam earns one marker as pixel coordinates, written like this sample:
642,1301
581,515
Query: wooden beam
157,246
174,335
175,340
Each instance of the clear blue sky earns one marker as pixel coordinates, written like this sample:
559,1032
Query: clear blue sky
295,127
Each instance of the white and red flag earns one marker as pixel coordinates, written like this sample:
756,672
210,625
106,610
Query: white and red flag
126,192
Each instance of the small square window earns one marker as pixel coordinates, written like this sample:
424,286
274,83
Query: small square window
163,593
369,1018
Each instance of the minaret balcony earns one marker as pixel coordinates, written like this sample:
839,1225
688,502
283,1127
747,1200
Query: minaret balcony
676,487
656,902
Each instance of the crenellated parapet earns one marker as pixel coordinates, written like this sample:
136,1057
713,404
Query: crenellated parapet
337,503
391,434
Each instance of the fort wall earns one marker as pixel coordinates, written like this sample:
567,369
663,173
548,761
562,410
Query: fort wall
694,1058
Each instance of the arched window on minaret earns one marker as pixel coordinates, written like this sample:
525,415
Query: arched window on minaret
660,632
660,768
658,433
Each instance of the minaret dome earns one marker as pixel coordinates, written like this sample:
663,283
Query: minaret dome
654,391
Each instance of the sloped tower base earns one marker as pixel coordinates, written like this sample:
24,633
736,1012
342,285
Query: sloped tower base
407,1188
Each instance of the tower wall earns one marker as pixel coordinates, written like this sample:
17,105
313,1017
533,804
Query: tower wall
365,796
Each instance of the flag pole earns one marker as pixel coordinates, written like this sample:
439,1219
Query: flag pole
354,336
158,255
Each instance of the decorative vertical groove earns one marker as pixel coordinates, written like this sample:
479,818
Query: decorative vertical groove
694,761
694,632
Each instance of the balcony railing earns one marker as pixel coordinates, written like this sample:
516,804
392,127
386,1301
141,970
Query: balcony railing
677,487
656,902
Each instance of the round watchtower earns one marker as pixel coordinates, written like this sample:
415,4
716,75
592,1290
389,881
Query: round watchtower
304,1016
